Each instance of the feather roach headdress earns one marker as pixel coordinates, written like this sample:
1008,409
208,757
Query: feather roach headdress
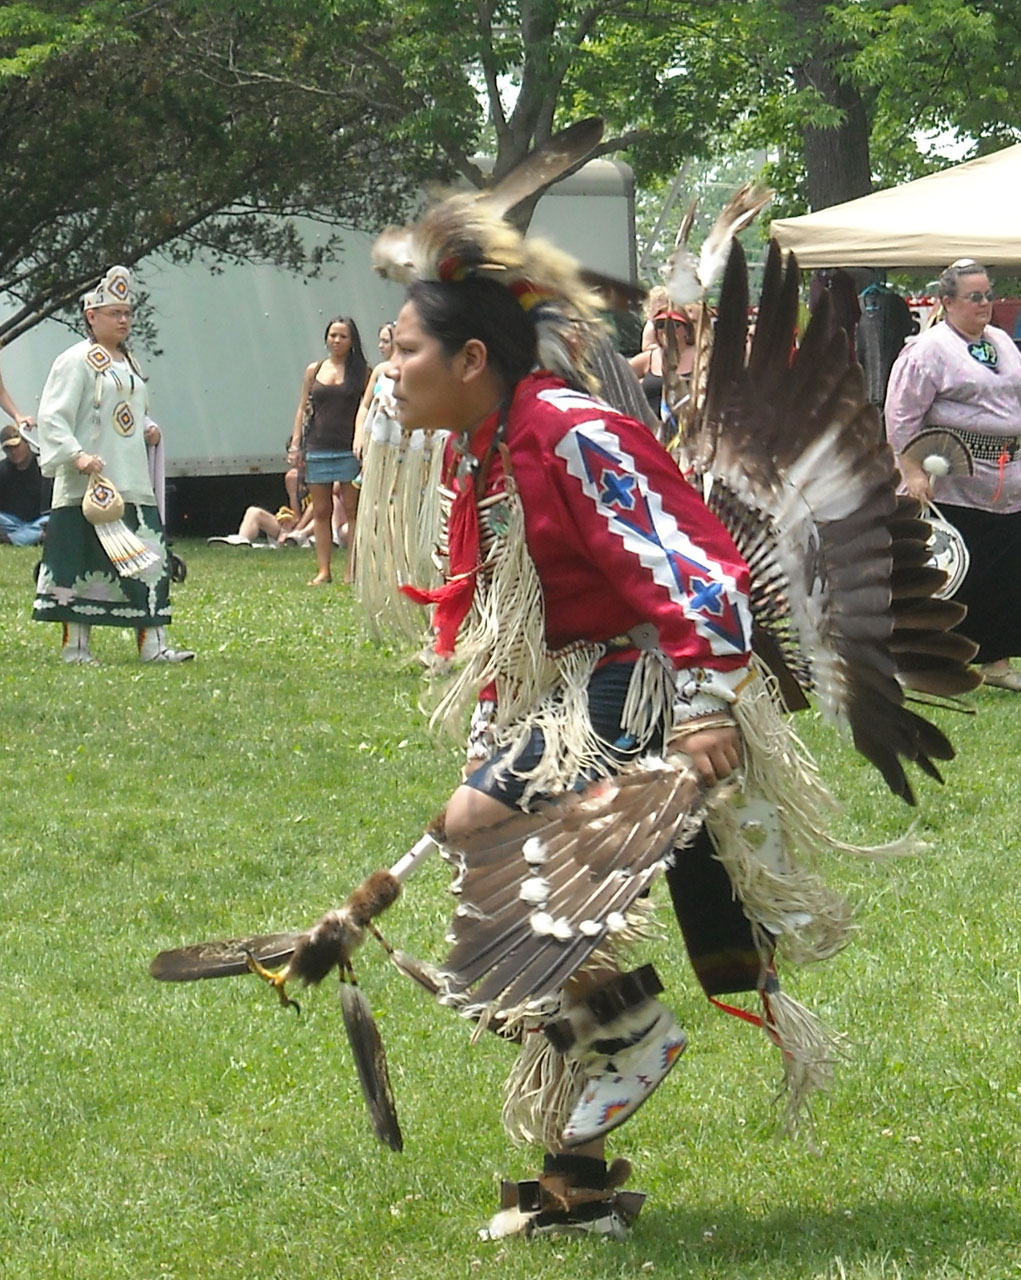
465,236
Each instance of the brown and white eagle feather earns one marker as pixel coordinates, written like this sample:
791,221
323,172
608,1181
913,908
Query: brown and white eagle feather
791,456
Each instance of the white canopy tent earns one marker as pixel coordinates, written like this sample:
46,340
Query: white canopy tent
972,210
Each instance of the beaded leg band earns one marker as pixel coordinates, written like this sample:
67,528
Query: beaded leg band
620,995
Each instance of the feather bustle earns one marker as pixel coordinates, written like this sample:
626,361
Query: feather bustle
793,461
600,851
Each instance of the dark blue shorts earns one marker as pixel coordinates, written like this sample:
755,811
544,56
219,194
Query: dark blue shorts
607,692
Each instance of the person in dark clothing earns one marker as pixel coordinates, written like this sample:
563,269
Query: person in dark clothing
24,493
885,322
844,307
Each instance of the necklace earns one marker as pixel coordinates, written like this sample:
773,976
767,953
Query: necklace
980,349
984,352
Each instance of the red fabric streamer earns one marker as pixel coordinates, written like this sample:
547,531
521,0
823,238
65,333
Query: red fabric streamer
454,598
755,1019
735,1012
1001,462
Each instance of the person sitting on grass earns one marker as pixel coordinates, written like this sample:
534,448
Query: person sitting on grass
24,493
283,529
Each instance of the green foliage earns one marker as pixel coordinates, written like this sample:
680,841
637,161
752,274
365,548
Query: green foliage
924,72
177,128
202,1131
181,127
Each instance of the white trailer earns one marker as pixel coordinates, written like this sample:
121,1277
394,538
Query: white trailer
236,341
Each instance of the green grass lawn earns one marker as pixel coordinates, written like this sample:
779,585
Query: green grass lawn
202,1131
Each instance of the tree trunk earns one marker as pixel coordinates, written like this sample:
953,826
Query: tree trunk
837,163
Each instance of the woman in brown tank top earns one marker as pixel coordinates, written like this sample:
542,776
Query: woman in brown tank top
331,391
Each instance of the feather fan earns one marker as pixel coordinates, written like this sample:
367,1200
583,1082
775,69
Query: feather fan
941,452
308,956
790,455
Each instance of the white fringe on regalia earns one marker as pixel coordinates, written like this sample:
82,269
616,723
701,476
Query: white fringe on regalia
767,823
398,519
763,829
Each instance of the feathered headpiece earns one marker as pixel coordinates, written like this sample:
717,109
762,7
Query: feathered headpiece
465,236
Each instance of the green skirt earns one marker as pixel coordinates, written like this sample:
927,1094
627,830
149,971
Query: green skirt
77,582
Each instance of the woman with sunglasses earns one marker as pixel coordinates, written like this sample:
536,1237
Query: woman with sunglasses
964,374
649,365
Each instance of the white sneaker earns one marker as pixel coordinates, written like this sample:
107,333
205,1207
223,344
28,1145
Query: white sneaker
623,1071
75,649
153,647
171,655
229,540
79,657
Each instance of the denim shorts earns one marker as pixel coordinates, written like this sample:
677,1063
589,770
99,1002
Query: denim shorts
327,467
607,692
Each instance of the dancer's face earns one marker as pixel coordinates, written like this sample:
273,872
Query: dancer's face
429,385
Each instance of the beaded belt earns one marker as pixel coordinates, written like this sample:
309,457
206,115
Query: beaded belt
989,447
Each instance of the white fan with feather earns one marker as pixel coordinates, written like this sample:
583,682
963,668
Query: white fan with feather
940,452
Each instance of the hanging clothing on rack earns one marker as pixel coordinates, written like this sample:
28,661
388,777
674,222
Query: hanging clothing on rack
886,320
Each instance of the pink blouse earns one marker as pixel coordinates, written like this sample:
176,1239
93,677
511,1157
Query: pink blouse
935,382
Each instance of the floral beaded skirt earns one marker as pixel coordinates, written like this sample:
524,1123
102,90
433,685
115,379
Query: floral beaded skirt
77,582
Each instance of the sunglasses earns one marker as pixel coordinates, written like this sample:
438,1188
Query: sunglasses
661,323
978,296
